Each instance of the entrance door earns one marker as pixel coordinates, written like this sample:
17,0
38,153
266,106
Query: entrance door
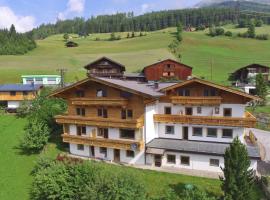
185,133
92,151
188,111
157,160
116,155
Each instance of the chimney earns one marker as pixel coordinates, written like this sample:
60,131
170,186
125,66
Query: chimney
156,85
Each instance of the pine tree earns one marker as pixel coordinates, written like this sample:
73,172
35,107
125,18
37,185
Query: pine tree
251,30
238,178
179,32
261,86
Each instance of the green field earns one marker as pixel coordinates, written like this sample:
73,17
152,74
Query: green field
198,50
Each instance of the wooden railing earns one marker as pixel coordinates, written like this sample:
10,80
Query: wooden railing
100,122
248,121
188,100
103,101
103,142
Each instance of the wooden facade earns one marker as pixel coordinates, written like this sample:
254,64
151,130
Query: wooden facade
167,69
105,67
17,96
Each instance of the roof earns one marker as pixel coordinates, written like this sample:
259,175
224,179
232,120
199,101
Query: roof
228,89
19,87
144,89
251,65
105,58
199,147
165,61
30,76
139,75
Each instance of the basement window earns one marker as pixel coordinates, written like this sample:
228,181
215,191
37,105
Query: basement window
80,147
130,154
214,162
185,160
169,129
103,150
171,159
227,133
211,132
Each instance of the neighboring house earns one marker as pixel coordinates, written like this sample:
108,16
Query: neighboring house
181,125
105,67
46,80
244,77
167,69
11,95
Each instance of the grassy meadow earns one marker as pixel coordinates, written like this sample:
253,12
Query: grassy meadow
198,50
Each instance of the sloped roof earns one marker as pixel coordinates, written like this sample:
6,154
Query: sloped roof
123,68
135,87
208,83
251,65
19,87
199,147
165,61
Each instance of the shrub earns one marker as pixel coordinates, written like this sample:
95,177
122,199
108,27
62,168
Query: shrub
97,39
201,27
216,31
228,34
244,35
262,37
219,31
258,22
71,44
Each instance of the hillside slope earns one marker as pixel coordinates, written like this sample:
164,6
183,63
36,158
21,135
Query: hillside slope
198,50
204,3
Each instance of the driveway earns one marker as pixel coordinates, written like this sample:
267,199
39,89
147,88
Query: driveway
264,139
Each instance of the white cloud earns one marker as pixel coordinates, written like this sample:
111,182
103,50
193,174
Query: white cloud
147,7
21,23
73,7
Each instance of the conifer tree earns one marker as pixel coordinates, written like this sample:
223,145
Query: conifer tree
251,30
238,178
261,86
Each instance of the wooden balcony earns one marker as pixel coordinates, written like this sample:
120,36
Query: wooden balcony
99,101
102,142
100,122
248,121
188,100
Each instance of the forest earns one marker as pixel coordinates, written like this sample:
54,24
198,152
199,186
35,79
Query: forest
123,22
13,43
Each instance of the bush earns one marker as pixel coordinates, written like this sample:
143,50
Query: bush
228,34
244,35
200,27
258,23
216,31
220,31
71,44
97,39
62,180
262,37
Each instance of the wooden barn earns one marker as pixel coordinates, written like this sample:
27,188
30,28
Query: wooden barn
167,69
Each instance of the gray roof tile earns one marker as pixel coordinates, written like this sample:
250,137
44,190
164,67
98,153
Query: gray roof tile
19,87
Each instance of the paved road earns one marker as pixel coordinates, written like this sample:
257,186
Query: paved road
264,138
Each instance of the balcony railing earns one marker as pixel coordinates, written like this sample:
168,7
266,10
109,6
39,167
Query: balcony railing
248,121
188,100
99,101
100,122
102,142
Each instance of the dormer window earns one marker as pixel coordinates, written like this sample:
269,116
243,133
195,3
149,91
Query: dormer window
101,93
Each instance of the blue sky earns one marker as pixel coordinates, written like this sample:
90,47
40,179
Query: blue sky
26,14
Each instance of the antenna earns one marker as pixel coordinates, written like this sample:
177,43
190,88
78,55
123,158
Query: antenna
62,72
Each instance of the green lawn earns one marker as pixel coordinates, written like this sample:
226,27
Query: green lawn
198,50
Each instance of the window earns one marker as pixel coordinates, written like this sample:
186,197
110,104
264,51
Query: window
183,92
79,93
102,112
80,147
80,111
50,79
199,110
39,80
212,92
214,162
12,93
103,150
81,130
211,132
171,159
101,93
205,93
209,92
168,110
127,134
185,160
25,93
126,114
130,154
197,131
216,110
29,80
125,95
169,129
227,112
103,132
227,133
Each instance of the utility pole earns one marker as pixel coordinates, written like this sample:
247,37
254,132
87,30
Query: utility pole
211,69
62,72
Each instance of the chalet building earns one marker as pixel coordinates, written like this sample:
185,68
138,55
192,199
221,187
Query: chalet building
11,95
244,77
46,80
167,69
180,125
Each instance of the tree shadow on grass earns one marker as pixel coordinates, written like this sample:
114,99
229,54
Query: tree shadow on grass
58,141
